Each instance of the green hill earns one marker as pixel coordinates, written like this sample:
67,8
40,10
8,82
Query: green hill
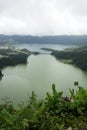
76,56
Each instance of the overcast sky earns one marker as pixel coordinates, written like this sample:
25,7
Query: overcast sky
43,17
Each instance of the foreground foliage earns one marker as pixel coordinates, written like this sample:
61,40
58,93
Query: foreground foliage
55,112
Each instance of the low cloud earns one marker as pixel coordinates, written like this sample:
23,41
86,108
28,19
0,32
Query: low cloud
43,17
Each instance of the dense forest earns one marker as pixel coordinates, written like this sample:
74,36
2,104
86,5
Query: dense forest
57,39
54,112
12,56
76,56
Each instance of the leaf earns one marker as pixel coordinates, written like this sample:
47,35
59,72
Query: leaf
33,99
76,83
6,116
25,123
54,90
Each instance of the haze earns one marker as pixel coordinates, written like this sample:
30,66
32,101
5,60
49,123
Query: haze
43,17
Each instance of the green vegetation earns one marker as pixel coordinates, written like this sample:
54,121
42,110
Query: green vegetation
47,49
76,56
12,56
1,75
55,112
56,39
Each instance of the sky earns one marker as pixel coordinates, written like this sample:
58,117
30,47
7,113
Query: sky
43,17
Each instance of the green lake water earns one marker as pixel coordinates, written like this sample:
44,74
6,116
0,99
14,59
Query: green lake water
38,75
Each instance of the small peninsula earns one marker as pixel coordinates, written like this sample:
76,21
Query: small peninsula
12,56
47,49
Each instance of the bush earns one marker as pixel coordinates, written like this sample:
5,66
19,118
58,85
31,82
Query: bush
55,112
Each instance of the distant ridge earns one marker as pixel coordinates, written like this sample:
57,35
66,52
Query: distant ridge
57,39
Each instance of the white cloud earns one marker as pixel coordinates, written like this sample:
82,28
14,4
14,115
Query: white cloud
43,17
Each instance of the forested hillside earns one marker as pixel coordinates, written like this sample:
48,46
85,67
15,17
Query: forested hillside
57,39
12,56
76,56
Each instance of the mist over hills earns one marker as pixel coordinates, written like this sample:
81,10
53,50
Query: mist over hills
57,39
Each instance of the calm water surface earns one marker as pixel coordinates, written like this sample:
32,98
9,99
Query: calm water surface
38,75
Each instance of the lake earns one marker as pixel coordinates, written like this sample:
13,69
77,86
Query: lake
38,75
